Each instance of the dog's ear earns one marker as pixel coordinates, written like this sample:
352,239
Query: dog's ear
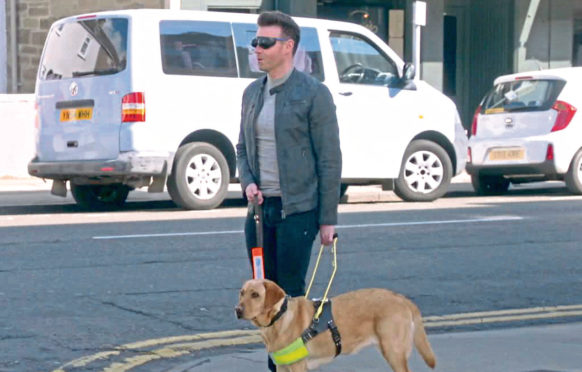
273,294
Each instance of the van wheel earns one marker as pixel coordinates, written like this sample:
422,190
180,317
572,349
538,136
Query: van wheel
574,176
425,173
99,197
489,185
200,176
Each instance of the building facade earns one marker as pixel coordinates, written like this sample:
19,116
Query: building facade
465,44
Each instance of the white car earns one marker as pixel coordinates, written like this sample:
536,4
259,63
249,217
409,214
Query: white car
527,129
145,98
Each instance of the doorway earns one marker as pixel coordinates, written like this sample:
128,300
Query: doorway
455,59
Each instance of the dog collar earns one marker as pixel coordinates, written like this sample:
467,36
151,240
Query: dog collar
280,313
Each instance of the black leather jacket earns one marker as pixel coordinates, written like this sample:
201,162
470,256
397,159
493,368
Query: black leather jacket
307,138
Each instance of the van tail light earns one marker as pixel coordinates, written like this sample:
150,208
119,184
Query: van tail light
550,152
565,114
469,155
133,107
474,123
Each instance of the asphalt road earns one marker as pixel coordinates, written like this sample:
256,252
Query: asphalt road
75,284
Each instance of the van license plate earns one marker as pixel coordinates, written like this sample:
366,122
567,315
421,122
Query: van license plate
507,154
83,113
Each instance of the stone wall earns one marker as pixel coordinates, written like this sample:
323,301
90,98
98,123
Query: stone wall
35,18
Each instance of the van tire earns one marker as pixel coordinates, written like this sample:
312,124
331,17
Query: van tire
436,167
574,176
100,197
200,176
489,185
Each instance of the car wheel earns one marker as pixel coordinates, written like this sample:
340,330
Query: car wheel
574,176
200,176
96,197
489,185
425,173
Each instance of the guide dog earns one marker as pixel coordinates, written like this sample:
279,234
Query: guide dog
363,317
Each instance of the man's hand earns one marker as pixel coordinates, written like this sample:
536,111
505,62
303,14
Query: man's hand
253,191
326,233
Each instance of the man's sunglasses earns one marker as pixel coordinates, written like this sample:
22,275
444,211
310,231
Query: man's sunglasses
266,42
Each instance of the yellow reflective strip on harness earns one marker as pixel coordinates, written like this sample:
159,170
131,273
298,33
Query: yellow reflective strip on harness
290,354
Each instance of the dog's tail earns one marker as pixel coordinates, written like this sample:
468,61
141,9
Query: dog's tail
420,339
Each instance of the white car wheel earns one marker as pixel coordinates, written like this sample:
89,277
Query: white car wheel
200,176
574,176
203,176
425,173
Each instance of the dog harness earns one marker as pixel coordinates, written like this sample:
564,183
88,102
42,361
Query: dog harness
297,350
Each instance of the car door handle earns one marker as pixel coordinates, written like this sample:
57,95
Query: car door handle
347,94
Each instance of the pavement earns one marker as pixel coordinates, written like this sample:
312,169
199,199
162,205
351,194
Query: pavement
355,193
550,348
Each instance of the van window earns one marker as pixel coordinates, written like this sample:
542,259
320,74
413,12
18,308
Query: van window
359,61
522,95
307,58
197,48
85,48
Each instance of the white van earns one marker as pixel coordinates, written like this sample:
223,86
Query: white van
145,98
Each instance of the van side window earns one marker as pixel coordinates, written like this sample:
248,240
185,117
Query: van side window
197,48
307,58
359,61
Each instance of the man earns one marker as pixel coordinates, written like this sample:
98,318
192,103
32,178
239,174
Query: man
289,157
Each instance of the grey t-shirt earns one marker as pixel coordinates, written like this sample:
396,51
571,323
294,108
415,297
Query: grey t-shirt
266,145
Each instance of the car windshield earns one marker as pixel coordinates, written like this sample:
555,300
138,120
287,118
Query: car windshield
522,95
86,47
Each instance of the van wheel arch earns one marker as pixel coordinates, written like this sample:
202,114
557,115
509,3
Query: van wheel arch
218,140
443,142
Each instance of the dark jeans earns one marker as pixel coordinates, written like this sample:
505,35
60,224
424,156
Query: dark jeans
286,247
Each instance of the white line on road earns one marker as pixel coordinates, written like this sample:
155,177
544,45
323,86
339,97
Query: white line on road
389,224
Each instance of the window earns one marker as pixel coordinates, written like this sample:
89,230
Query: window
101,43
522,95
307,58
359,61
197,48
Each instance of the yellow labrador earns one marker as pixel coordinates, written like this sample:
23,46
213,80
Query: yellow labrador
363,317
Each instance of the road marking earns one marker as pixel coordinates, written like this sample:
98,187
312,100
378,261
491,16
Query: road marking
442,222
388,224
503,316
136,236
173,347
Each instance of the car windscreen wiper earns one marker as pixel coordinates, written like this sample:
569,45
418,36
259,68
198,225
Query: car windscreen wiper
106,71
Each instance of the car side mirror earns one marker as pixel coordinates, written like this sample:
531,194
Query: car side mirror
409,71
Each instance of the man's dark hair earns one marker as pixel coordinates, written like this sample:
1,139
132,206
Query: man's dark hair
287,24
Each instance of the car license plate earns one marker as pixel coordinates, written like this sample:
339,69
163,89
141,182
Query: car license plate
82,113
507,154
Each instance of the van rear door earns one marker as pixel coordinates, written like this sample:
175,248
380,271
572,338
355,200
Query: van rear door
82,79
